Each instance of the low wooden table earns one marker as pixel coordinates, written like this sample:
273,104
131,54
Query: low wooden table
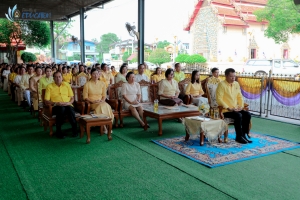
164,113
89,122
195,126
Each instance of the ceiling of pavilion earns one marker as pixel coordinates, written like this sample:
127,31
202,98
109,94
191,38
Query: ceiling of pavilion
56,10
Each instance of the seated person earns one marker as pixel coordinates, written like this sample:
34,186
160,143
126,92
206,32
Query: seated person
157,76
122,75
113,71
94,92
60,95
106,75
131,94
212,84
178,74
229,96
168,90
194,88
66,76
33,87
17,81
141,76
82,77
24,84
46,80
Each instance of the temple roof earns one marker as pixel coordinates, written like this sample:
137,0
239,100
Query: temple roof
235,13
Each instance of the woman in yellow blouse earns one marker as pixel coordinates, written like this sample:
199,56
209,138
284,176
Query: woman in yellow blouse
194,88
106,75
113,71
94,92
157,76
66,76
168,90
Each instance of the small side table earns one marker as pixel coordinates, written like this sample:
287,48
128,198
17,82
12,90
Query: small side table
212,129
88,122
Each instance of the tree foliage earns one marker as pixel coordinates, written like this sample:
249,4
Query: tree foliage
28,57
105,41
159,56
126,55
283,18
162,44
33,33
195,58
181,58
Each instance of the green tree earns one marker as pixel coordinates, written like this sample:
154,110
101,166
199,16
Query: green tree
126,55
105,41
33,33
181,58
195,58
162,44
28,57
61,34
159,56
283,18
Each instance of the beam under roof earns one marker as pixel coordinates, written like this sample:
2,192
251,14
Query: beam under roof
60,10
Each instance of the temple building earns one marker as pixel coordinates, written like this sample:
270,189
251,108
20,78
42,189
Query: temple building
228,31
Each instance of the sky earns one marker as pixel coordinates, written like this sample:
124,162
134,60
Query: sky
164,19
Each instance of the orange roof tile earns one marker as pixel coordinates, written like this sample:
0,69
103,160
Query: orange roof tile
262,2
236,22
227,11
250,9
224,2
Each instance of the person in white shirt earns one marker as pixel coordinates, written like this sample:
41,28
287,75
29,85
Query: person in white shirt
141,76
17,81
5,74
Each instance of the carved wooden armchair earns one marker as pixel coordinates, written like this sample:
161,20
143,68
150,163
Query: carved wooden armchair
49,118
182,86
147,97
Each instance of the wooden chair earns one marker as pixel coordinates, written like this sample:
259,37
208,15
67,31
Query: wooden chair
147,97
182,86
48,117
113,101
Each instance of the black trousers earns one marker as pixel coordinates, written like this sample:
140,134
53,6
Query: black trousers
241,121
61,112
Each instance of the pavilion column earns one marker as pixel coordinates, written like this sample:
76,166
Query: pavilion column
141,29
82,43
52,41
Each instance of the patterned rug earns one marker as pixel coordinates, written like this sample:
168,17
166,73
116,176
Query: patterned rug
218,154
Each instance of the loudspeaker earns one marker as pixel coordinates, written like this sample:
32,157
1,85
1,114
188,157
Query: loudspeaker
297,2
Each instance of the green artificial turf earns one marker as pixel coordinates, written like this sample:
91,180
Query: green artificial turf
132,167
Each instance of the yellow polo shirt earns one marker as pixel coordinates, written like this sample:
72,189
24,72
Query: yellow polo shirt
229,95
179,76
62,93
43,82
67,77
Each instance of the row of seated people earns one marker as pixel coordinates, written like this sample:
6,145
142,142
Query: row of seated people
95,92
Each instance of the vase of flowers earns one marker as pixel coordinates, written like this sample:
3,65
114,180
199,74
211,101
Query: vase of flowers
203,108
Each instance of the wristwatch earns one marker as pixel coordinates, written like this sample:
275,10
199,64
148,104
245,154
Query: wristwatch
54,104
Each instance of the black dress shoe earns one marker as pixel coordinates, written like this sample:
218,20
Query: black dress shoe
245,138
241,140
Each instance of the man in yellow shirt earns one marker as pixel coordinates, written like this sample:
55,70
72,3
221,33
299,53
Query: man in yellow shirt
229,96
60,95
11,79
178,74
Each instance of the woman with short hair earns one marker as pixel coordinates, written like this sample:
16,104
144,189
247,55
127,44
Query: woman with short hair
131,94
122,75
168,90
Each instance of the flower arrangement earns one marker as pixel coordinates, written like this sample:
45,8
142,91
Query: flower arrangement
203,108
